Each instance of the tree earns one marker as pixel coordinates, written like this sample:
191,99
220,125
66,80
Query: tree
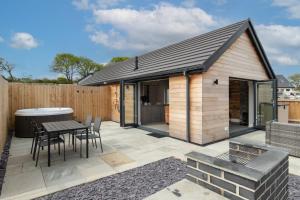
86,66
295,79
118,59
7,67
66,64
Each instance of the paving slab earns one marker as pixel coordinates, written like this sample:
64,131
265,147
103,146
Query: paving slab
185,190
133,147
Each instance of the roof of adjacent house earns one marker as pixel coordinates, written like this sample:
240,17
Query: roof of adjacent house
282,82
194,54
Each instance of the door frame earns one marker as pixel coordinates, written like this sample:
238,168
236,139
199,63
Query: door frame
274,105
275,109
122,104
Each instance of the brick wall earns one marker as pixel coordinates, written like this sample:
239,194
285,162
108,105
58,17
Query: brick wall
234,181
284,135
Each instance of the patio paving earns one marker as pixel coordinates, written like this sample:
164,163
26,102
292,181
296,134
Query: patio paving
124,149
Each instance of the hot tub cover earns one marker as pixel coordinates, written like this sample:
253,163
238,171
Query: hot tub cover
43,111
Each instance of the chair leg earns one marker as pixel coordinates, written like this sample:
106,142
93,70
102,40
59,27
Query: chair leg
64,151
92,141
38,154
35,146
59,148
75,145
32,144
95,142
100,143
69,139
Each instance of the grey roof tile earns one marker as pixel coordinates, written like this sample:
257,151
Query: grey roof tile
190,53
282,82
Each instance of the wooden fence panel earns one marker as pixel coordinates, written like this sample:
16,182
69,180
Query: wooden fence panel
4,112
294,109
84,100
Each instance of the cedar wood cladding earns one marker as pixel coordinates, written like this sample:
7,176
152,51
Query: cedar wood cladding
209,103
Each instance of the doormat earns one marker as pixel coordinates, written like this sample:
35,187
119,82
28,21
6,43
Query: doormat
157,135
116,159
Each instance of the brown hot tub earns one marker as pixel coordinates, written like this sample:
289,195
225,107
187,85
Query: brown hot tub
24,117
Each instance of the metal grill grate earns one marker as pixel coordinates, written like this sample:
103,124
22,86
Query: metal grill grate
235,159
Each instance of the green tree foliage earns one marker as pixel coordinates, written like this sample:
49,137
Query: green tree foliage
295,80
6,67
66,64
28,79
72,66
118,59
86,66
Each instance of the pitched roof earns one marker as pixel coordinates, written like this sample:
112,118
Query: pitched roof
197,53
282,82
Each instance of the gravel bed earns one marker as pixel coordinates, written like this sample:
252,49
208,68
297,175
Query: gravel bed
136,183
4,159
294,187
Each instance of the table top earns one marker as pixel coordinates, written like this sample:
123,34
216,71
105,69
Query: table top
69,125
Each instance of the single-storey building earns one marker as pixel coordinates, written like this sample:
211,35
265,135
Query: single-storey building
213,86
285,89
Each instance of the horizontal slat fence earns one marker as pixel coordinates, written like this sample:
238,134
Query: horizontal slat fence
4,112
294,109
84,100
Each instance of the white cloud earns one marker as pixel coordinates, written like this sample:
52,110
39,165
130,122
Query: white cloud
23,40
107,3
282,43
81,4
146,29
292,7
1,39
95,4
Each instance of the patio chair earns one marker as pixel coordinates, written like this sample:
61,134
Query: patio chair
43,142
35,129
93,135
88,123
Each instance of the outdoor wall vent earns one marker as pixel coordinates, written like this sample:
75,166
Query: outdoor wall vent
136,63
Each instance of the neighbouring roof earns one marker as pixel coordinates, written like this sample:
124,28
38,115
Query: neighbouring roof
197,53
282,82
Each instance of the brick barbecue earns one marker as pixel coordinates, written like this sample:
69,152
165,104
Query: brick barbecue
246,171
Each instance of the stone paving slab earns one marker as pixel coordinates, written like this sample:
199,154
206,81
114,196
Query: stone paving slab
131,142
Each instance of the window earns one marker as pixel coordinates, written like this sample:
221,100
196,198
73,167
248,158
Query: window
167,96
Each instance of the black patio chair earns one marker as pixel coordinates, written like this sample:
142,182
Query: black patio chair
42,142
93,135
34,129
37,131
88,123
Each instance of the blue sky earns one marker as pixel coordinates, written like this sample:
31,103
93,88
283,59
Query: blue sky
32,32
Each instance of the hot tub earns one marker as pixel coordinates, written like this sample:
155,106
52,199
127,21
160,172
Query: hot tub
24,118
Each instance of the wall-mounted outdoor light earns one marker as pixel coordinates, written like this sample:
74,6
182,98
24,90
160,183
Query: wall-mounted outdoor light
216,82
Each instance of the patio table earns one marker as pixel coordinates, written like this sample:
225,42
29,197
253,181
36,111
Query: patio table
62,127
